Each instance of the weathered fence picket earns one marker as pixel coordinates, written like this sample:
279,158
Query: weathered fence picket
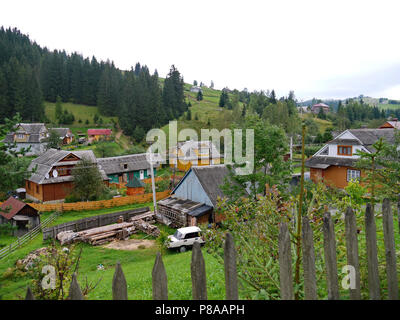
390,250
198,273
159,279
310,282
231,287
330,257
372,254
352,251
119,286
75,292
285,263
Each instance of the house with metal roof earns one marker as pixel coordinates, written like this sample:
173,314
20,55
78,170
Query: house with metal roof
25,135
194,198
193,153
99,134
65,134
19,214
391,124
122,169
51,178
334,163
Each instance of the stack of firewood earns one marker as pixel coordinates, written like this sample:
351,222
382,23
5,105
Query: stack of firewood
121,230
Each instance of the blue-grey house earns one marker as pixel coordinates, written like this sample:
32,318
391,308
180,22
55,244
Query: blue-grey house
193,200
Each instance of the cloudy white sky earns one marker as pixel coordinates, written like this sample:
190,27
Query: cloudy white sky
325,49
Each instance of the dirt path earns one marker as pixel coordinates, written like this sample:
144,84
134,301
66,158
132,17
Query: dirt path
131,244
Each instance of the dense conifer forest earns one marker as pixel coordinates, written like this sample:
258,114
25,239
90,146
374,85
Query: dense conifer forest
31,74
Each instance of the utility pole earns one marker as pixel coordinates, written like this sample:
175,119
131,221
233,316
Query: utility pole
153,183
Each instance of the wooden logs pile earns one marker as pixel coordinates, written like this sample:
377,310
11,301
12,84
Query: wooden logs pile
100,235
146,227
121,230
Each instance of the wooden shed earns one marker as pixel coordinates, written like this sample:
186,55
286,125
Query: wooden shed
134,186
20,214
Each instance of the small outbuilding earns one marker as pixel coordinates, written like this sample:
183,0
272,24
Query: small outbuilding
19,214
134,186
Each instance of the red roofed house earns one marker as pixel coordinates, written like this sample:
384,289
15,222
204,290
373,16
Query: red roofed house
97,134
391,124
317,107
20,214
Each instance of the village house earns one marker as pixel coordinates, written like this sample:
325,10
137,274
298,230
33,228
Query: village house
193,153
98,134
65,134
19,214
317,107
26,135
334,163
52,180
194,198
391,124
196,89
123,169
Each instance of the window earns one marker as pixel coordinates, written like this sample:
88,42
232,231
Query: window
345,150
37,189
125,166
353,175
192,235
20,136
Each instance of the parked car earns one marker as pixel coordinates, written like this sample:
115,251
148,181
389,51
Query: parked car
184,238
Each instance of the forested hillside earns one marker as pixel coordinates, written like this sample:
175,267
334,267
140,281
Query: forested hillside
30,75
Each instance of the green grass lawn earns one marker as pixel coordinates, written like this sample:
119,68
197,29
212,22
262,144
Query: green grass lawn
388,106
80,112
137,266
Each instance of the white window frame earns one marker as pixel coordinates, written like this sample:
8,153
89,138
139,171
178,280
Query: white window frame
141,174
353,175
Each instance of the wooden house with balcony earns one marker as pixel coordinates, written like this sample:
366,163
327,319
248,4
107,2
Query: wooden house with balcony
51,179
193,153
334,163
25,135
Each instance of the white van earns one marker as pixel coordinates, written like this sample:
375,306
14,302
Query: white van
184,238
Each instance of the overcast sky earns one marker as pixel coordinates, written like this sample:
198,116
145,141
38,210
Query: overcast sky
324,49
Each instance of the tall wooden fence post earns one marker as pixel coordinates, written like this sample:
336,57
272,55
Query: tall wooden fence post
310,282
390,250
29,295
330,257
372,254
231,286
75,292
285,263
352,251
159,278
198,273
119,286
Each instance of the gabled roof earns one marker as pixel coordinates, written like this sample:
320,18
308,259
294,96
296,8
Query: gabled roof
133,162
51,158
99,132
210,178
62,132
392,123
14,206
32,129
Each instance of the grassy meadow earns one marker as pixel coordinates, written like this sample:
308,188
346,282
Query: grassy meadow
137,266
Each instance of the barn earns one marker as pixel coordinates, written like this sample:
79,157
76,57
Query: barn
193,200
19,214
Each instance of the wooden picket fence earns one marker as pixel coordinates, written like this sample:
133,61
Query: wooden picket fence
198,271
96,205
